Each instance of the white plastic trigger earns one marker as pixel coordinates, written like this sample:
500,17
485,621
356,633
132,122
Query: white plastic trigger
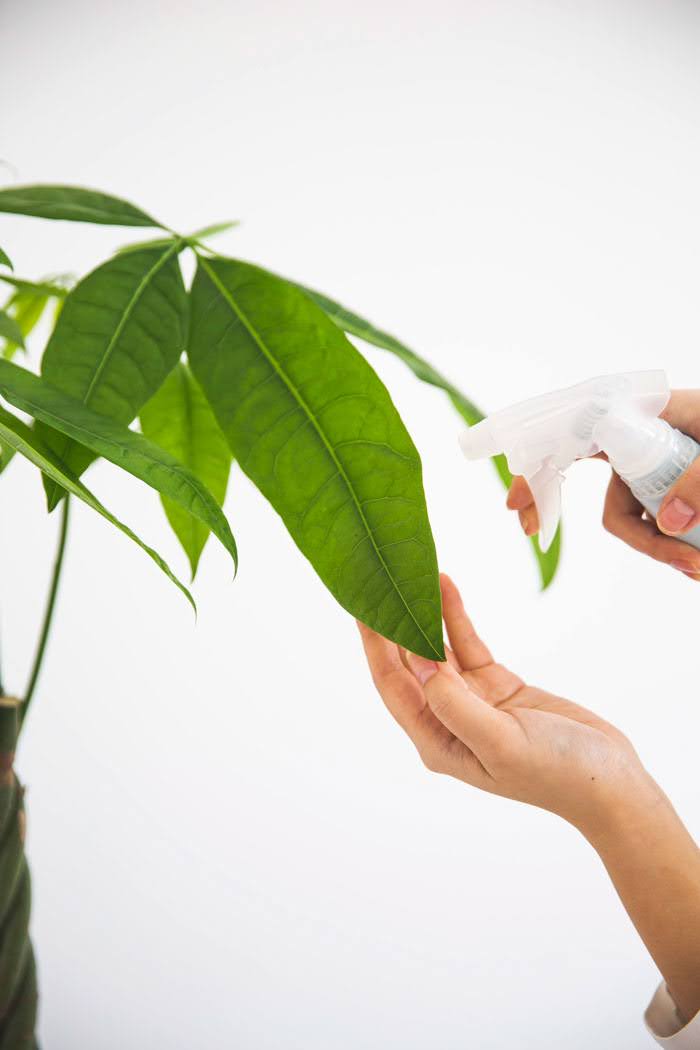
545,485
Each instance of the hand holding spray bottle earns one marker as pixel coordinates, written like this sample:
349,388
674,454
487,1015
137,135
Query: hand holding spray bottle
615,414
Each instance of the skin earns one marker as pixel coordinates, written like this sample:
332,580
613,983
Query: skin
624,517
473,719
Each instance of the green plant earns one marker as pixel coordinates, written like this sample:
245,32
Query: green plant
244,364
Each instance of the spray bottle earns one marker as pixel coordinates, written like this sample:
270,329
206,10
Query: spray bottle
615,414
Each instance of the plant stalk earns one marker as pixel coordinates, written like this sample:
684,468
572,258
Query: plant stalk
50,605
18,987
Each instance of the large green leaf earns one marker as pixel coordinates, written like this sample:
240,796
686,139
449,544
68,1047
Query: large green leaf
178,418
313,426
130,451
5,259
119,334
357,326
16,435
74,203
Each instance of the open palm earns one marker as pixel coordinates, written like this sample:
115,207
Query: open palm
474,719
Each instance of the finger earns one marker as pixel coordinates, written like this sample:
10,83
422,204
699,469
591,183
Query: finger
401,693
680,509
529,520
483,729
683,411
469,649
452,659
622,517
519,494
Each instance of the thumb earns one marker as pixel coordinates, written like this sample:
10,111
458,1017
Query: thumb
680,510
472,720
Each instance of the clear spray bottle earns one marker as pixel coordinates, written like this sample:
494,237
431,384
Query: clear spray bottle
616,414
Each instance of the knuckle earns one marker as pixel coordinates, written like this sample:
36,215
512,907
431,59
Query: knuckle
439,702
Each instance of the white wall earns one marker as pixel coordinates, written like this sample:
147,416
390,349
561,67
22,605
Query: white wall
232,845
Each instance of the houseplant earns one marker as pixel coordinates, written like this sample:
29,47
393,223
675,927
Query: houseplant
243,365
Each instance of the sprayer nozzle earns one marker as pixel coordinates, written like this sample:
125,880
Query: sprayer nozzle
541,438
478,441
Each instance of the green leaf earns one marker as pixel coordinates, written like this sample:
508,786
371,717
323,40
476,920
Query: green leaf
178,418
549,560
9,329
192,239
214,230
16,435
46,288
25,308
119,334
73,203
6,457
357,326
313,426
5,259
139,246
130,451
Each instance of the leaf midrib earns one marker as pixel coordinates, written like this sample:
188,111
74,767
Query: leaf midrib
129,309
252,331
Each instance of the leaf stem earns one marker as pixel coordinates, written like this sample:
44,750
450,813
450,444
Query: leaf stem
50,604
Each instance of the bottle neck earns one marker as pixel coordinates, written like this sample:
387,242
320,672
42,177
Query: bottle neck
636,445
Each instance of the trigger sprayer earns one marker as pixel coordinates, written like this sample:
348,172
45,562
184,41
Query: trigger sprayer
616,414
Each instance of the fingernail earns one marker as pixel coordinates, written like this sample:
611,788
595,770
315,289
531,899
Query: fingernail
423,669
675,516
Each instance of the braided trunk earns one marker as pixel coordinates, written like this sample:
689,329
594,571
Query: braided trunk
18,987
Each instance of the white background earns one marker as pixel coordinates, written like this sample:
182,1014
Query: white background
232,845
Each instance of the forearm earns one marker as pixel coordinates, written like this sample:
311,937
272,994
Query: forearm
654,865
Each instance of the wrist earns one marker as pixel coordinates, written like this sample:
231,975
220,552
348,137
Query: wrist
626,813
635,820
